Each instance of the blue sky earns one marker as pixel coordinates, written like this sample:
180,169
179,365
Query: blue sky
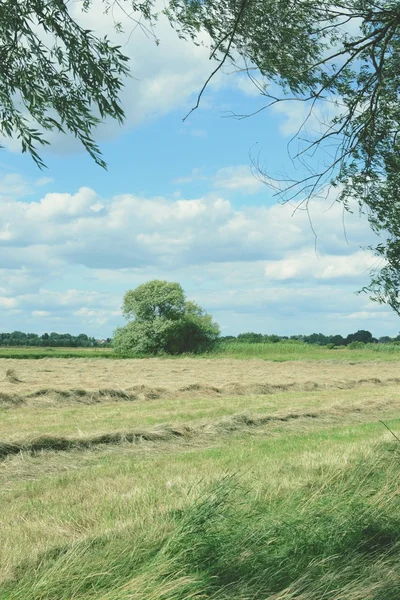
179,202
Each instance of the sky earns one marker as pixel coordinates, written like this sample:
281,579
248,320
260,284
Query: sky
180,201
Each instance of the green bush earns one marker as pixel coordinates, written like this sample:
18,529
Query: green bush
356,345
163,322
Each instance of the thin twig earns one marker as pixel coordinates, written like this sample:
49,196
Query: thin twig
392,432
220,65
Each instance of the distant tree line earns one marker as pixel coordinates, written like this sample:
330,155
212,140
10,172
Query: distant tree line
64,340
319,339
67,340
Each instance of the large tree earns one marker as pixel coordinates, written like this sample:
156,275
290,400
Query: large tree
161,320
56,75
346,54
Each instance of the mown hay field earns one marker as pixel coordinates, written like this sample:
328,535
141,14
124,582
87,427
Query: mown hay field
216,479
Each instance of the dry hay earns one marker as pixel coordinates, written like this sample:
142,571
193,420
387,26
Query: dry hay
204,376
243,422
12,377
51,396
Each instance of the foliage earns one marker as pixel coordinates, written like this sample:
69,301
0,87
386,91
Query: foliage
338,57
360,336
356,345
65,340
318,339
154,299
57,76
256,338
178,334
163,321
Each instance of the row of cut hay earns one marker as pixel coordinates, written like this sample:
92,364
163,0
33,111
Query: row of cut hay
143,392
163,433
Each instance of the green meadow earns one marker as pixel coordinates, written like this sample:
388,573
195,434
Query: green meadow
279,351
200,491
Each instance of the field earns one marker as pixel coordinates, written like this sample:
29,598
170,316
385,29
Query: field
217,478
278,352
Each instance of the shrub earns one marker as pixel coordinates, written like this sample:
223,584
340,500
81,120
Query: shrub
356,345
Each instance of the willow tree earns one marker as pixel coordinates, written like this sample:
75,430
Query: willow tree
56,75
346,54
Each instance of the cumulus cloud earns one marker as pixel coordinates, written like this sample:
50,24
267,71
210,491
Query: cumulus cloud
249,262
237,179
308,265
130,231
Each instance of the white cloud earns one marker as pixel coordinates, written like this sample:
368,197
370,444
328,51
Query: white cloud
129,231
43,181
237,179
308,265
71,257
7,302
365,314
96,316
305,116
195,175
14,185
250,86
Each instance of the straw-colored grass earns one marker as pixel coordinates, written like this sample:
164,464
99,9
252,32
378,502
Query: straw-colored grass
188,375
251,481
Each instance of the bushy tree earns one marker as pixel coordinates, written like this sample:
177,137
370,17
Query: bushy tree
162,320
360,336
337,340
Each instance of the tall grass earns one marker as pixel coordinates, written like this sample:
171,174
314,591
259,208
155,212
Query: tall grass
293,350
280,351
245,349
336,539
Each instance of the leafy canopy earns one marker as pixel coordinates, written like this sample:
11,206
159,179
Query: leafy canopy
154,299
163,321
55,75
339,56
